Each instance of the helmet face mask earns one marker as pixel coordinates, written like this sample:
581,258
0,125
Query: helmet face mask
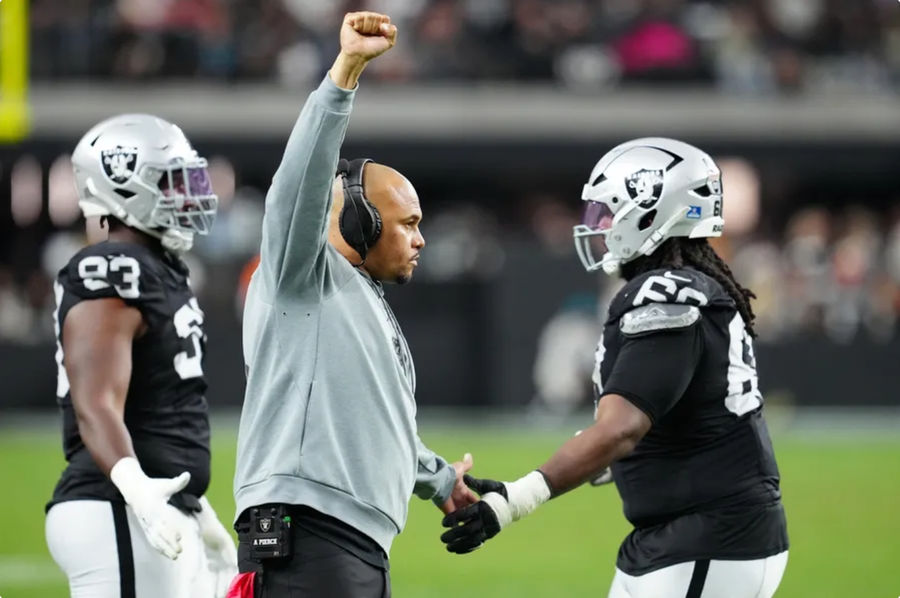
187,203
590,235
143,171
643,192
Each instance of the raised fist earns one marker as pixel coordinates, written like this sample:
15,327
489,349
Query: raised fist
366,35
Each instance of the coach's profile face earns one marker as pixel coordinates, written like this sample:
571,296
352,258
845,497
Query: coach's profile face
396,253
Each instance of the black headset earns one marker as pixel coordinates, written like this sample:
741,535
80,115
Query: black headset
360,222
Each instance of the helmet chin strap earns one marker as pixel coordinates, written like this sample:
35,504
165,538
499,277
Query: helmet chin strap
612,265
659,235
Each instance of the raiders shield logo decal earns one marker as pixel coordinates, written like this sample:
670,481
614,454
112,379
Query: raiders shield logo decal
645,187
265,524
119,163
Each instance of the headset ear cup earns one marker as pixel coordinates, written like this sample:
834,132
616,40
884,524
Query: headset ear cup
359,221
375,233
351,228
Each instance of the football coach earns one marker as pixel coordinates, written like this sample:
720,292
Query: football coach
328,451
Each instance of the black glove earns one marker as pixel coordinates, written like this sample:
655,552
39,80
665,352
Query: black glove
472,525
483,486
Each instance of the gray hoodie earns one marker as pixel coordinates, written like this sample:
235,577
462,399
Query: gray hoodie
329,412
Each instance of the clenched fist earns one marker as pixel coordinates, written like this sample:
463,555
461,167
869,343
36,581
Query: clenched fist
367,34
364,35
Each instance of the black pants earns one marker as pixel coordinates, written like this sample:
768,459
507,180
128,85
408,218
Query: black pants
317,569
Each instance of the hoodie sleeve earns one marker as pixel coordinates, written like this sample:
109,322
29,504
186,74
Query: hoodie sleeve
435,477
295,224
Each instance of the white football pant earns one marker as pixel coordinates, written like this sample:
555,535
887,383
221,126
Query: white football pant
758,578
101,548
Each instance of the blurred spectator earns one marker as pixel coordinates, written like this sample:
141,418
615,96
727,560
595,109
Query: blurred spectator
807,275
854,261
565,355
244,277
26,309
835,276
237,231
551,220
760,267
461,242
657,48
15,316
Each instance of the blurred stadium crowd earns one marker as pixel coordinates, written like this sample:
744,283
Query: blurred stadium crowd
823,265
749,47
827,272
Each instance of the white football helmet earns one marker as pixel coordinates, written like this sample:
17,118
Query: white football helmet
643,192
143,171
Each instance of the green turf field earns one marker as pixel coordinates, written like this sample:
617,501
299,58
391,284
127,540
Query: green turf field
841,495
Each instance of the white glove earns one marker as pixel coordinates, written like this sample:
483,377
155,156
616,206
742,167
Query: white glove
148,498
221,554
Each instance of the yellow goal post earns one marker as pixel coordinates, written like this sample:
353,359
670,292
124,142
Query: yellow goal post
14,118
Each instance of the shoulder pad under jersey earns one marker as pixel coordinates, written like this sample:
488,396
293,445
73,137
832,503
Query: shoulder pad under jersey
658,317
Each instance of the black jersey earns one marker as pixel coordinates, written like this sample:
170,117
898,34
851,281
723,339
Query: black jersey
165,409
703,482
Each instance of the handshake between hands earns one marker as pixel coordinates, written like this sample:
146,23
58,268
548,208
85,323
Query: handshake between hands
501,503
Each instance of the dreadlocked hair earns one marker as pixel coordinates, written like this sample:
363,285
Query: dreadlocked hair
678,252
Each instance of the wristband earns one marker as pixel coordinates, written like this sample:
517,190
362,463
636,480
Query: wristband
523,496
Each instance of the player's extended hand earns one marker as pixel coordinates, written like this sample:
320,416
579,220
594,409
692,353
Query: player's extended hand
461,494
365,35
149,498
221,555
472,525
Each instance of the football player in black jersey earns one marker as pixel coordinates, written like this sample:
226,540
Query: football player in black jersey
678,413
128,517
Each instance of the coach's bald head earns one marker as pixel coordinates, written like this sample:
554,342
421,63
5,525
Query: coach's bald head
395,255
